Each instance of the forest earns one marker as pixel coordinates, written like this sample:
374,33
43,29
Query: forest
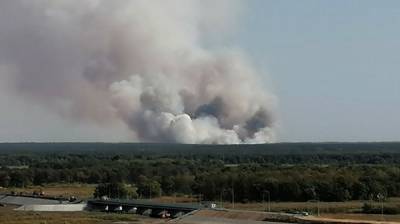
282,172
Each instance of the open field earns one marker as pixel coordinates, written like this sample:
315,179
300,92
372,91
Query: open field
241,216
334,210
82,191
390,218
324,207
8,216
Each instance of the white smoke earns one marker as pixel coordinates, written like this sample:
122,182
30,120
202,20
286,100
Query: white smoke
141,61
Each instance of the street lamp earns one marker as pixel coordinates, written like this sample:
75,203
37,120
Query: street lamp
317,201
316,198
233,197
269,200
200,198
221,197
232,194
149,192
380,199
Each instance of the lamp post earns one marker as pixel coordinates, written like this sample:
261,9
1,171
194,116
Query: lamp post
269,200
149,192
380,198
233,198
316,201
316,198
221,197
200,198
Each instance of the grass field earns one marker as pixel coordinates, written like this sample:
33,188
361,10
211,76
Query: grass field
390,218
8,216
82,191
324,207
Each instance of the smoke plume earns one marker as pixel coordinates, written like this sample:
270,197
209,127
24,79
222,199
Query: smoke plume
147,63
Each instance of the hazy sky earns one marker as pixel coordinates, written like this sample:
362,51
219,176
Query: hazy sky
333,65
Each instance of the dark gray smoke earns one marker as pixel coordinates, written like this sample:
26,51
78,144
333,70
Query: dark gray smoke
140,61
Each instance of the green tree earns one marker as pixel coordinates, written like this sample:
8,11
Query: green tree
148,187
112,190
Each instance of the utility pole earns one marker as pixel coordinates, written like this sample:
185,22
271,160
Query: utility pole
269,200
221,198
233,198
149,191
263,201
380,198
316,201
200,197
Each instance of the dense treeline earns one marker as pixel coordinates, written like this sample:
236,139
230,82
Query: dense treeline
174,149
327,175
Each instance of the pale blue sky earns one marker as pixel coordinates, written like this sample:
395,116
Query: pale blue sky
334,65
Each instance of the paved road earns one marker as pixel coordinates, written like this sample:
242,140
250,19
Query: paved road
210,220
17,200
